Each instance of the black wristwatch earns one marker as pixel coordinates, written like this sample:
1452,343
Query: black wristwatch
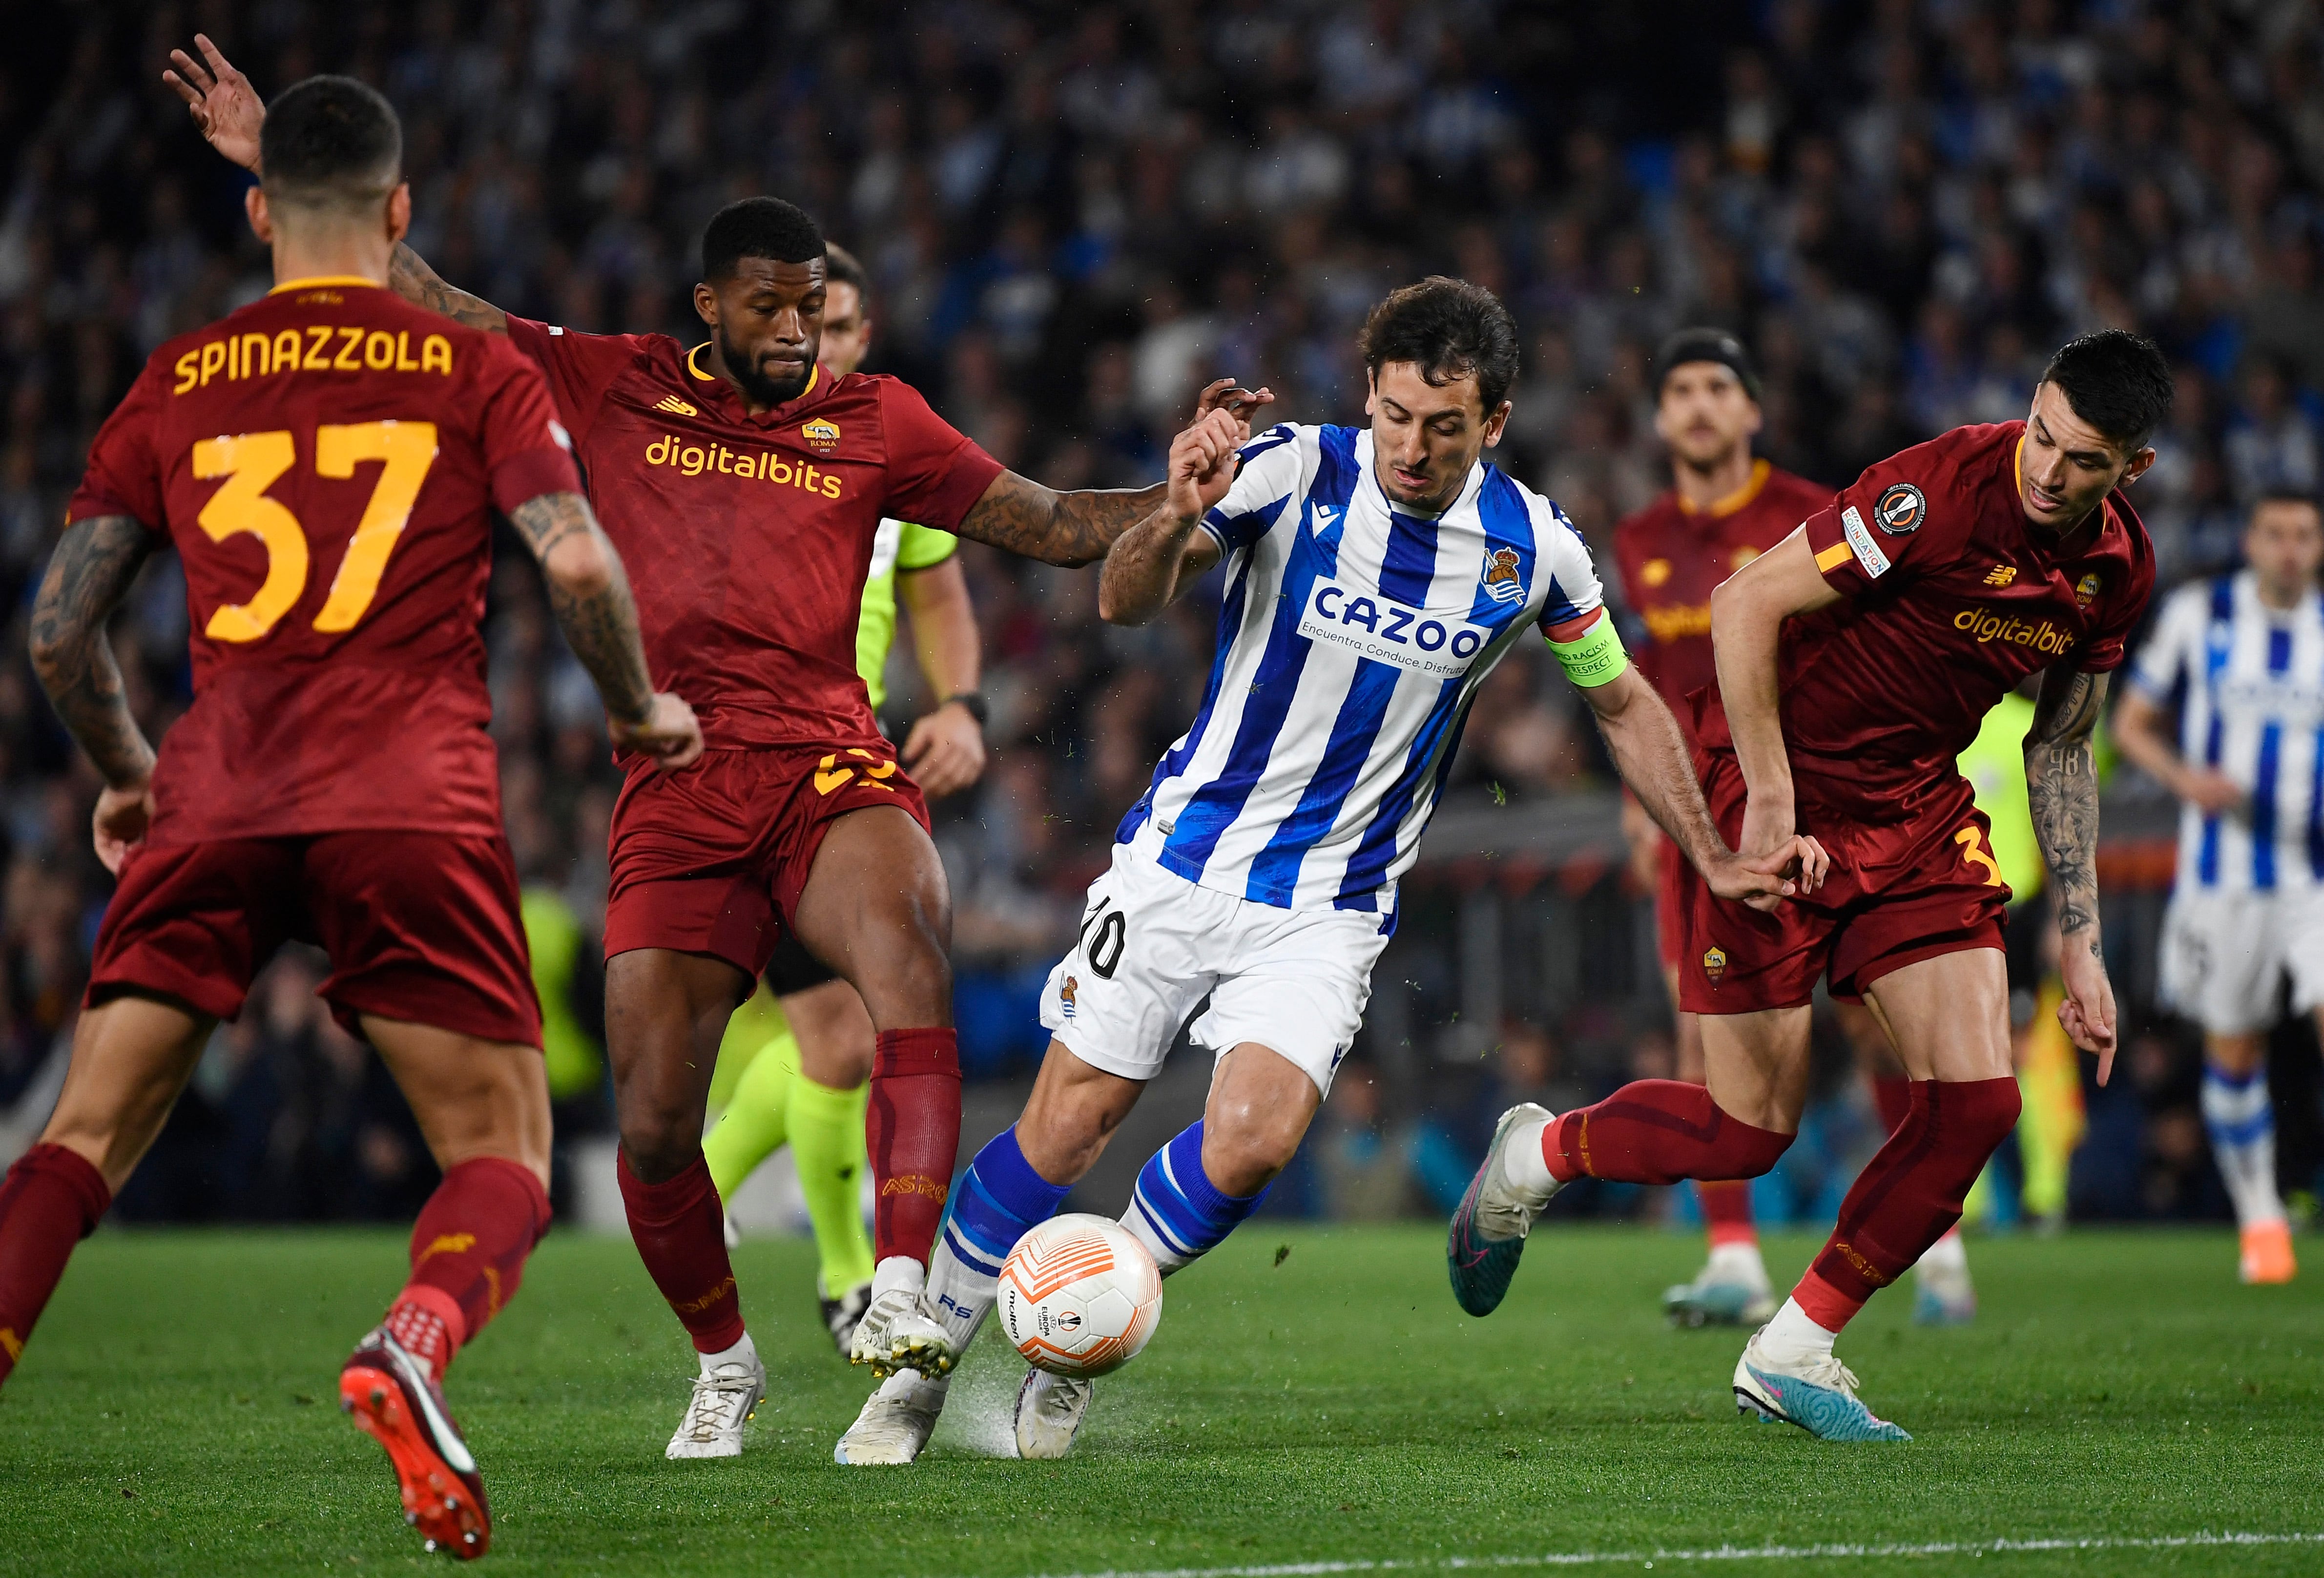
973,700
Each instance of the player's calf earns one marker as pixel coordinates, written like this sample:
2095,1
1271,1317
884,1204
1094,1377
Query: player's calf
1177,1211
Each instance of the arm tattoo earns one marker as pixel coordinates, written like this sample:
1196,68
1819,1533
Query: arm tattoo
2062,790
410,278
93,566
600,622
1063,528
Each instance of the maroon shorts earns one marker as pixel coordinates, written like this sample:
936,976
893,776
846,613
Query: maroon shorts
1898,892
421,926
1671,869
712,858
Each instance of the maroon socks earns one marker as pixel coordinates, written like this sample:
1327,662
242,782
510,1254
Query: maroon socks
681,1232
1658,1132
51,1200
912,1130
468,1251
1910,1193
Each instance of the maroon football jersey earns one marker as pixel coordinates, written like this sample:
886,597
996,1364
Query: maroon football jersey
1951,599
326,461
748,539
1672,557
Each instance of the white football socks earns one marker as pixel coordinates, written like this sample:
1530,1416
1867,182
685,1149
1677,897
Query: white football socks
959,1294
2240,1115
745,1353
1738,1262
1524,1166
1792,1341
1947,1254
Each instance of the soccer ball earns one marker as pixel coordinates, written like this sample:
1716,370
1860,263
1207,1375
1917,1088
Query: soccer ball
1080,1296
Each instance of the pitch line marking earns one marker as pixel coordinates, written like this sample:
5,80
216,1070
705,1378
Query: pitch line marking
1714,1553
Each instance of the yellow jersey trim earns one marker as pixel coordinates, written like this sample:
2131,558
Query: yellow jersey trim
1832,558
813,376
320,280
1720,508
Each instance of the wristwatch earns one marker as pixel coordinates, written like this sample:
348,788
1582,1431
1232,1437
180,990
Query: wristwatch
973,700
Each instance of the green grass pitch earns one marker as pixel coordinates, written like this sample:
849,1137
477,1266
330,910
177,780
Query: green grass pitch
175,1414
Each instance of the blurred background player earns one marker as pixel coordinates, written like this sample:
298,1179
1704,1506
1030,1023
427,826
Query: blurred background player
1724,509
334,781
1845,699
807,1084
747,489
1374,577
2244,654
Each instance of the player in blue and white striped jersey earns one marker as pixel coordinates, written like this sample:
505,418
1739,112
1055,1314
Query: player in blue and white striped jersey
2246,653
1373,578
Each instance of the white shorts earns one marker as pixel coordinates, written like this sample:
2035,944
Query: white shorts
1152,944
2223,953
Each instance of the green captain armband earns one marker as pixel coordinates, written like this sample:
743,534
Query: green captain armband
1596,659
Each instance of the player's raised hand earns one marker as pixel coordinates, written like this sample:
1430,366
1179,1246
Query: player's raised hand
670,737
222,101
1202,462
1225,395
122,818
2088,1013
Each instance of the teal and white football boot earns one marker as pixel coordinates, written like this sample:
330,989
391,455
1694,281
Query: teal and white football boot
1489,1229
1818,1397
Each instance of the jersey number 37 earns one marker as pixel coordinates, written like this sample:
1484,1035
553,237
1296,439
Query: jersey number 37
252,462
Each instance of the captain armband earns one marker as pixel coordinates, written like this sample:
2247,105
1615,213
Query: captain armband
1595,657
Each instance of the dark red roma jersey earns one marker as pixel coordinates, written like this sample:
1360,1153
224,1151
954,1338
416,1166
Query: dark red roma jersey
327,461
1672,557
748,539
1950,599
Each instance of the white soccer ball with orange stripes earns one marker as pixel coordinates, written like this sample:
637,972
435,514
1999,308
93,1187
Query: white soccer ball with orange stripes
1080,1296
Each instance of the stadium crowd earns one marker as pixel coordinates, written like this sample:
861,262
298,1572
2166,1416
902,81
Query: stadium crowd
1072,215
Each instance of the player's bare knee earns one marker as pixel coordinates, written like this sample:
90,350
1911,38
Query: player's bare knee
2237,1055
659,1141
1247,1142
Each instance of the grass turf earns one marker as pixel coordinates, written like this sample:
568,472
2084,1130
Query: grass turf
176,1413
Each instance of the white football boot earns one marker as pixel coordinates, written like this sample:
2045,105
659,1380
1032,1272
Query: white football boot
896,1422
725,1395
896,1332
1731,1289
1818,1394
1050,1409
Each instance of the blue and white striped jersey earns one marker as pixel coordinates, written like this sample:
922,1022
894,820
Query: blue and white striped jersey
1353,637
2254,710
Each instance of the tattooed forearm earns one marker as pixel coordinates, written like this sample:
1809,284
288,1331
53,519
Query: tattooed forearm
1151,564
2061,791
1062,528
410,277
93,565
589,594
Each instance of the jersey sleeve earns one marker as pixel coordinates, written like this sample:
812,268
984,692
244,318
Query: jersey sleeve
2170,646
935,473
1268,471
124,474
2123,607
1575,594
924,547
527,450
1907,511
580,367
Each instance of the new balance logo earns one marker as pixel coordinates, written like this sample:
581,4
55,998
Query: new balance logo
670,402
2001,575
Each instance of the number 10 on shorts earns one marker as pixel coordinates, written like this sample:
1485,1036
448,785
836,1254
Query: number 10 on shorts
1104,930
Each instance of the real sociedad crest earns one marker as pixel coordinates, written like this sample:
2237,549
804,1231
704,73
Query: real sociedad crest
1500,578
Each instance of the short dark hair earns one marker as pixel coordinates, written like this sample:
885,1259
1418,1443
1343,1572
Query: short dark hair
843,267
1449,329
2116,381
330,142
766,227
2285,494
